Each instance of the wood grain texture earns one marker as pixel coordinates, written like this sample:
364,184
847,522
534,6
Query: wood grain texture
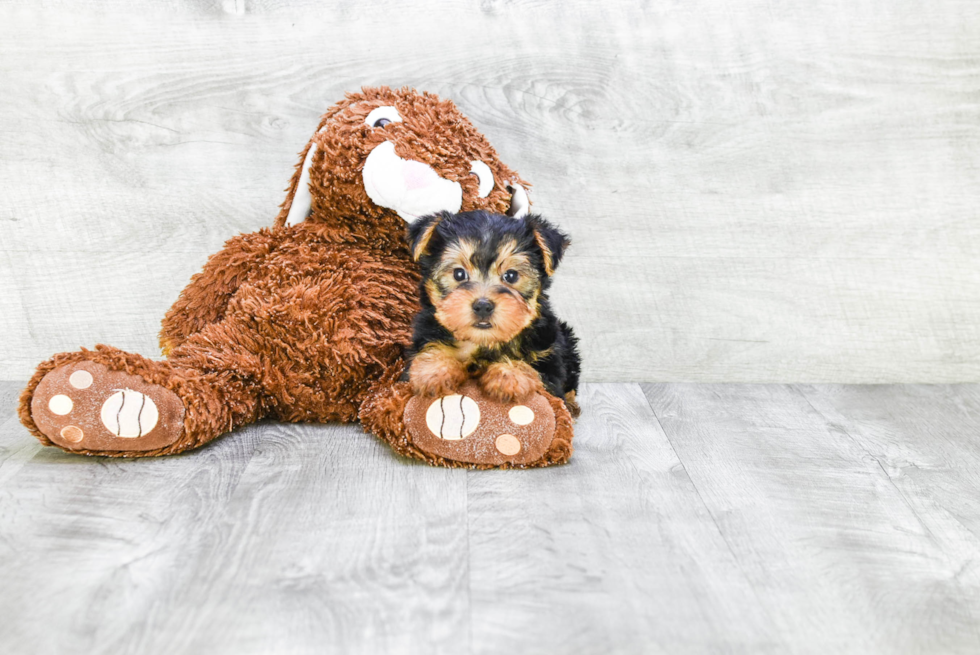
9,396
276,539
613,553
328,539
925,440
840,552
757,191
91,549
15,450
692,519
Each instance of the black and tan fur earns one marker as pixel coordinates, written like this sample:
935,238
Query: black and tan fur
485,311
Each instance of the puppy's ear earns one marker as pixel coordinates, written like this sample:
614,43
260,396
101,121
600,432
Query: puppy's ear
550,240
420,233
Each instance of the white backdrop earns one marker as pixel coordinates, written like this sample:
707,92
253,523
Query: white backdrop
757,190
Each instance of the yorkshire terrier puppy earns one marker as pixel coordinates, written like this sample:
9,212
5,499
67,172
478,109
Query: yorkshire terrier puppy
485,312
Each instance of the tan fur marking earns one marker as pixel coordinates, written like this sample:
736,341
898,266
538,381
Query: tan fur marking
540,354
510,318
549,267
572,404
455,311
510,381
436,371
423,242
466,351
519,262
459,254
432,289
506,251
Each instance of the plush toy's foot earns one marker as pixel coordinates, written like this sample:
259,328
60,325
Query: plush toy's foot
85,406
118,404
470,429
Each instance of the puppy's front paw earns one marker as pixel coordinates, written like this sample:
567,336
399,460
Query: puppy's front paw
510,381
434,374
443,383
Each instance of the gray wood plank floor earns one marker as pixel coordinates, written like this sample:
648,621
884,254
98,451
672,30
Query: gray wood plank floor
694,518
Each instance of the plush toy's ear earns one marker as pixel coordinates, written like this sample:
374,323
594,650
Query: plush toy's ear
520,205
420,233
302,200
299,202
550,240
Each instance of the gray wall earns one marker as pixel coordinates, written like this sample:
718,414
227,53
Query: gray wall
763,191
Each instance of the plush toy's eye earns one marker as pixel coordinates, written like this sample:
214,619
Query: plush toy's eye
510,276
485,175
459,274
381,116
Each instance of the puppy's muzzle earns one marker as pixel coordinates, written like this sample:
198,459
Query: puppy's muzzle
483,309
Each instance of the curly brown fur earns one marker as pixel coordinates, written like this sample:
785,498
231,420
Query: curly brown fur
433,131
297,322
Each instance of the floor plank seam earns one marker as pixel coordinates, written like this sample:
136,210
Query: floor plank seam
854,440
714,520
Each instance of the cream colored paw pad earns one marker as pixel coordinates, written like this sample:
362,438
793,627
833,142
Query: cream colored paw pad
60,404
81,379
129,414
521,415
453,417
72,433
508,445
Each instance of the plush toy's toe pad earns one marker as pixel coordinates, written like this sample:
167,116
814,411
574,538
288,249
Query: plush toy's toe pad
86,406
470,427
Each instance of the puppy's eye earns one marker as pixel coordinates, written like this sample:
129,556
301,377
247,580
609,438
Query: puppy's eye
511,276
381,116
459,274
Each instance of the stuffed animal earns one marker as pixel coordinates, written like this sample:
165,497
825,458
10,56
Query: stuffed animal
308,320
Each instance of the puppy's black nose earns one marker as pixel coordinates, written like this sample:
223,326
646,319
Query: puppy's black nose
483,308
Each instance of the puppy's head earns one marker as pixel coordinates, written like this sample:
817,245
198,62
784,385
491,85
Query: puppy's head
485,273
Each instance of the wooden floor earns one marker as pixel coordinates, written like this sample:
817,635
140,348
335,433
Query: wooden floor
693,518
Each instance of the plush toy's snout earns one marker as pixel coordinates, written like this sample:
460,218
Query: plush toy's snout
409,187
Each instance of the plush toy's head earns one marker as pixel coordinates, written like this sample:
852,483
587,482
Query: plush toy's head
382,157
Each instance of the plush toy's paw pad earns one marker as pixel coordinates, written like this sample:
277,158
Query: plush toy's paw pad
471,427
86,406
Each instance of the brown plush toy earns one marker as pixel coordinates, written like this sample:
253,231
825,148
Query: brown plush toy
307,320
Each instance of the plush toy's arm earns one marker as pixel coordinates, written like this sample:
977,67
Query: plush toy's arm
205,299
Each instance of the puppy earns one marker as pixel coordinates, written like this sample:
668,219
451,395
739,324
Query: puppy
485,312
